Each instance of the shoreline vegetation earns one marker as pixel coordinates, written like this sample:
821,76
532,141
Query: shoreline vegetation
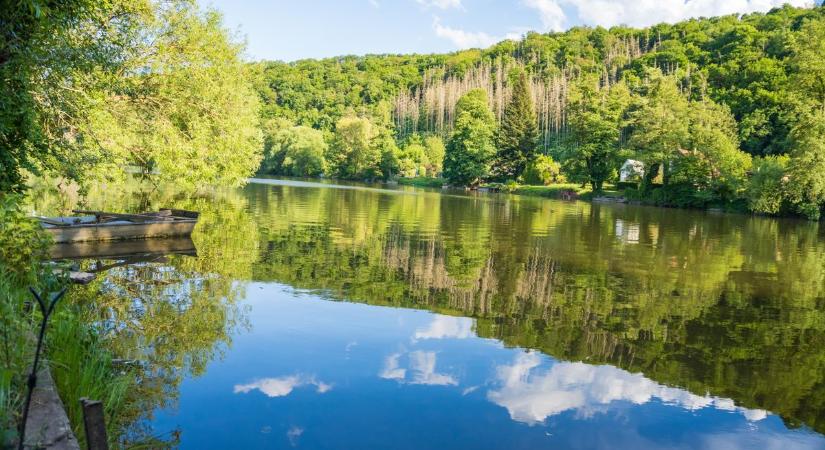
718,112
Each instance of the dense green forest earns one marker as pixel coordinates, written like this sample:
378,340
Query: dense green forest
725,111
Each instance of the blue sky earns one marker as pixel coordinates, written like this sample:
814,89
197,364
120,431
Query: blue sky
296,29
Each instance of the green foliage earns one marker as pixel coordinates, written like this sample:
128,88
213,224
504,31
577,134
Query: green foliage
704,93
712,161
23,243
518,134
390,163
806,169
273,153
297,151
422,182
808,63
543,171
15,352
470,149
434,149
99,86
659,125
413,159
317,93
421,157
354,153
594,146
82,367
189,115
53,57
766,190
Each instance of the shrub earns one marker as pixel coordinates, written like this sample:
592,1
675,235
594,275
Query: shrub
765,190
23,244
543,171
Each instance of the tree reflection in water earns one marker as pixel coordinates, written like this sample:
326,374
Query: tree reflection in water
722,306
166,310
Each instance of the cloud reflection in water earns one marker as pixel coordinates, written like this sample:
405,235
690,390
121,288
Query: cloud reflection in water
531,395
421,370
282,386
446,327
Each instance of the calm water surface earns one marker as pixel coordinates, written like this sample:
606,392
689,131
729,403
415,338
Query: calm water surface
347,317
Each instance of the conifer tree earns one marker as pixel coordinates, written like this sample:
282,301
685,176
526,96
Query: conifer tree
518,135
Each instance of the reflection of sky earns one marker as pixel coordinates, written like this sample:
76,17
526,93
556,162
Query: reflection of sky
446,327
531,395
421,369
279,387
348,375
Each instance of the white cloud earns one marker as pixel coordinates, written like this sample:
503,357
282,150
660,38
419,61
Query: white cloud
446,327
550,13
421,370
374,3
283,386
463,39
531,395
440,4
607,13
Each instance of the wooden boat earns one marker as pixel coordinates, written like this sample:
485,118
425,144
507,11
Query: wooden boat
106,226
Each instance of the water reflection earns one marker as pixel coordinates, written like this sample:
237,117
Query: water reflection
279,387
421,369
531,394
446,327
717,304
636,317
163,311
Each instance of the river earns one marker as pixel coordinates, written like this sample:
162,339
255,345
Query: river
354,317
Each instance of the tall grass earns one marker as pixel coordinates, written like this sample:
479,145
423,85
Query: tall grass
15,356
23,245
80,364
82,367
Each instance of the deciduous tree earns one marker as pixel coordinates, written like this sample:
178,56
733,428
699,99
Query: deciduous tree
470,149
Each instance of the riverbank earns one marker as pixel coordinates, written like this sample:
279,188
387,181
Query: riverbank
659,197
75,350
556,191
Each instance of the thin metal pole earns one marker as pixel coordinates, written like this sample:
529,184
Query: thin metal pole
32,380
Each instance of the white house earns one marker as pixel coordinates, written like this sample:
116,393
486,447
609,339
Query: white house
631,170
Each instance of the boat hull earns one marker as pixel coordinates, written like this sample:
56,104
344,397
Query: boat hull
124,249
121,231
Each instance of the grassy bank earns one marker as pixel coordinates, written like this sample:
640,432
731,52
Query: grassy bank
675,196
563,190
422,182
78,358
557,191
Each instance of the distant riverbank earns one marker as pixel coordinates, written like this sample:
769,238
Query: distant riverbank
611,193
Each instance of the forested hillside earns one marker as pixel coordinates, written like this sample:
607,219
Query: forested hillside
721,111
